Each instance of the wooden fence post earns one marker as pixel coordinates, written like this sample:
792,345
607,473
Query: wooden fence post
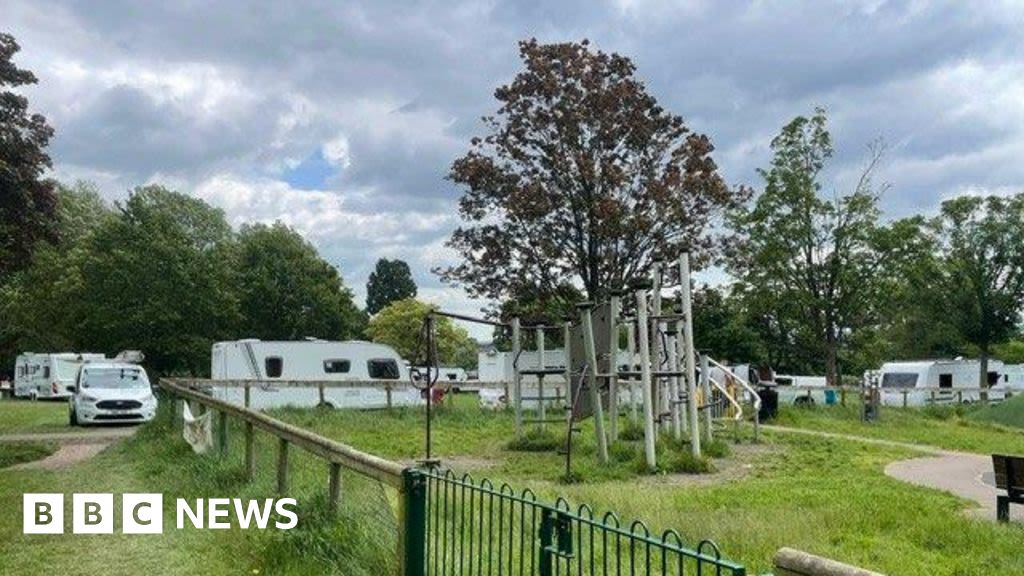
250,453
335,488
282,466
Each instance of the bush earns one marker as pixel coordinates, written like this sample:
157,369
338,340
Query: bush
686,463
632,432
717,448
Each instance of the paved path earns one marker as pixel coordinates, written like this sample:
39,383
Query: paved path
962,474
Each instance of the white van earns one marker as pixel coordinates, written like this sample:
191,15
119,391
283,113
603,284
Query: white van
955,380
48,375
111,392
312,361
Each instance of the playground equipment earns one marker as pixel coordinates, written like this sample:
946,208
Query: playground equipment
675,397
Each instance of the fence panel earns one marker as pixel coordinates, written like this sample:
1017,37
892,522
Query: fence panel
481,529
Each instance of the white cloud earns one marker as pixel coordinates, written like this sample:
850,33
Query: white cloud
336,151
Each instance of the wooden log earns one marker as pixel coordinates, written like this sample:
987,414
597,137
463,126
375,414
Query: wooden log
790,562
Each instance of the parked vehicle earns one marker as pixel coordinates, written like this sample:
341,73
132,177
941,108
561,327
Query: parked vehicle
48,375
111,392
952,381
312,361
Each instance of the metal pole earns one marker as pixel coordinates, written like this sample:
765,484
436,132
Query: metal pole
705,388
517,393
613,361
430,382
541,364
645,379
566,337
688,355
595,394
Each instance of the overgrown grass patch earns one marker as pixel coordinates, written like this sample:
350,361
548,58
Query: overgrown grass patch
16,453
24,416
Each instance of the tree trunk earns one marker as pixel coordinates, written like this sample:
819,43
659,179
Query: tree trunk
831,362
983,374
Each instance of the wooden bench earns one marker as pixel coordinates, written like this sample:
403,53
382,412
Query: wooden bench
1009,471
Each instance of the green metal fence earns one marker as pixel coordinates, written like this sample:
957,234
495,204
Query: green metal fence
456,526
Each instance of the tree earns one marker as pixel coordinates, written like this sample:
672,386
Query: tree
27,201
287,292
532,306
981,279
582,178
722,329
389,282
399,325
160,278
813,257
41,304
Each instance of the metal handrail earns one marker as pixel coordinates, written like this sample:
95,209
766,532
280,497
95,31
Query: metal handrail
743,382
739,409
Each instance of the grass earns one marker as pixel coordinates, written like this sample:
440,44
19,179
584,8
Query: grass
1009,413
826,496
361,541
949,427
11,454
28,416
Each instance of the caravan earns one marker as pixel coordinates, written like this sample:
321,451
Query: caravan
311,361
941,381
48,375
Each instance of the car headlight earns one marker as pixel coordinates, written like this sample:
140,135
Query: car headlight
85,398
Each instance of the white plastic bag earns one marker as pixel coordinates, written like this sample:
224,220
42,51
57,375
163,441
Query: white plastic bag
198,431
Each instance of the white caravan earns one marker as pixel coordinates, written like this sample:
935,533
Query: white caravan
313,361
48,375
954,380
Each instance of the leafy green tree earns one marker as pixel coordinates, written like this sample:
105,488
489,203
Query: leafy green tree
160,278
981,275
399,325
582,178
812,256
41,304
287,292
27,201
389,282
721,327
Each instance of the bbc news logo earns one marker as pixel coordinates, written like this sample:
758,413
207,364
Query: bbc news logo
144,513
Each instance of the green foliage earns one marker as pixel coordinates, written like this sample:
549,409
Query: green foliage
1008,413
27,201
18,452
390,281
400,325
287,292
159,278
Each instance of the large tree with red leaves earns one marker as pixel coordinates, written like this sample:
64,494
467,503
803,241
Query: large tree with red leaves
582,178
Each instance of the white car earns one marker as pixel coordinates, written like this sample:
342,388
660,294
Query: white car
111,392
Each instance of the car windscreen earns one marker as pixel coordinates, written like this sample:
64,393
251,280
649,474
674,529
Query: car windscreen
118,378
899,380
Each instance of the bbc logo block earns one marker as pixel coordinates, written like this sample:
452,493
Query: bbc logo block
93,513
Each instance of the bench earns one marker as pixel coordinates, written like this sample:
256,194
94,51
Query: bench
1009,472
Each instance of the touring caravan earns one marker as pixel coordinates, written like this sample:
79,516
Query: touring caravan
312,361
953,380
48,375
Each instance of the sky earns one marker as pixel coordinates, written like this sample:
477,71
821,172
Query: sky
342,119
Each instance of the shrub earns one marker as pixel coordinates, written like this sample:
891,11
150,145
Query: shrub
536,441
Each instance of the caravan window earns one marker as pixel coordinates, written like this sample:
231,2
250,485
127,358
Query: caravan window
899,380
337,366
945,380
273,366
46,372
382,369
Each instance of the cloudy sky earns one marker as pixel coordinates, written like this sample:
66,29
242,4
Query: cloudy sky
341,118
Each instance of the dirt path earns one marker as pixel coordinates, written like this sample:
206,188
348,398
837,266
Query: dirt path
75,446
962,474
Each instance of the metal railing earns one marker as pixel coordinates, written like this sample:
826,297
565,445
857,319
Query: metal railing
453,525
483,529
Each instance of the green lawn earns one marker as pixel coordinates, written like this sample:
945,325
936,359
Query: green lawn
28,416
11,454
822,495
949,427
